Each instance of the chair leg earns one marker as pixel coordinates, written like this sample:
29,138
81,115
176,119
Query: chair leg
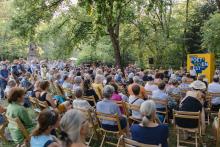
178,138
196,139
90,139
103,139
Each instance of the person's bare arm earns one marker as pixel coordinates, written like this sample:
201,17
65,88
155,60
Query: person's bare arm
50,100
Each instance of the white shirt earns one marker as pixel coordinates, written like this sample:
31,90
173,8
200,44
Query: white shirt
132,100
150,87
214,88
80,103
192,72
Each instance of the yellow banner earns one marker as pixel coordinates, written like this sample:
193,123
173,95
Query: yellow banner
202,64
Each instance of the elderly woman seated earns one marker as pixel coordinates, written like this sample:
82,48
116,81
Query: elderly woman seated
108,106
149,132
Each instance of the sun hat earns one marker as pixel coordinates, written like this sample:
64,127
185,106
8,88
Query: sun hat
198,85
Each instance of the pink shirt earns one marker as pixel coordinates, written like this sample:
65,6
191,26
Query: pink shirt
116,97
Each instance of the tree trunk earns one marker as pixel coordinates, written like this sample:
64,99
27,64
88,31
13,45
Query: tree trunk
185,30
218,4
115,43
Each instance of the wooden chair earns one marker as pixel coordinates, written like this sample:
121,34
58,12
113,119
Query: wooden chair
42,104
68,92
90,99
165,113
109,117
16,121
197,131
218,131
125,142
209,98
2,128
128,109
93,124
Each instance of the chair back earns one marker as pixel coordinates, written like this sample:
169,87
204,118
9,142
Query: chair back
33,101
16,121
210,96
188,115
42,104
108,117
90,99
131,107
158,101
125,142
68,92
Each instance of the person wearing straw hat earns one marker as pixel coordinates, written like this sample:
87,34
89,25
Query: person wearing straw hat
193,102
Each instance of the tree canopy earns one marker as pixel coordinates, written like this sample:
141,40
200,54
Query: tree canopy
111,31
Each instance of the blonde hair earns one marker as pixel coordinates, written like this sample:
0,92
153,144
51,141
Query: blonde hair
147,110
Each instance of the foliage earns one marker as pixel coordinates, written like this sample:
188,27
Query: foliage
111,31
211,31
194,34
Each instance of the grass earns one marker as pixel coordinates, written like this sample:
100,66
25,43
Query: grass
172,135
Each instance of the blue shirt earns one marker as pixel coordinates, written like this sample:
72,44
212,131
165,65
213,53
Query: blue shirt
108,107
4,73
160,95
150,135
39,141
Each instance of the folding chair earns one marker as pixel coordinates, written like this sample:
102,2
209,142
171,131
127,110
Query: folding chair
93,123
16,121
68,92
2,128
128,109
149,93
197,131
90,99
109,117
42,104
218,131
165,113
125,142
209,98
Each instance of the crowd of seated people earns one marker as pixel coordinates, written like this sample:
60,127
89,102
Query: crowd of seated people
151,90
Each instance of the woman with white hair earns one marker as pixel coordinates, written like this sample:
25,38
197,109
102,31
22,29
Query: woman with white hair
74,128
184,85
108,106
98,86
149,132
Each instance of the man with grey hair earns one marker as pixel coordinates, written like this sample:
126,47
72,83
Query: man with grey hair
107,106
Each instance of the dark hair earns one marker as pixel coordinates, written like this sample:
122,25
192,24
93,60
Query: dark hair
45,119
86,85
157,75
115,87
188,75
161,76
78,92
15,93
136,89
216,79
44,85
161,85
65,77
108,79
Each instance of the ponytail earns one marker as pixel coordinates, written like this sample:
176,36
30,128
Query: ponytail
146,120
65,139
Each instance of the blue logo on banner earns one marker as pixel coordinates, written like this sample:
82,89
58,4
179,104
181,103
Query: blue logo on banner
199,64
